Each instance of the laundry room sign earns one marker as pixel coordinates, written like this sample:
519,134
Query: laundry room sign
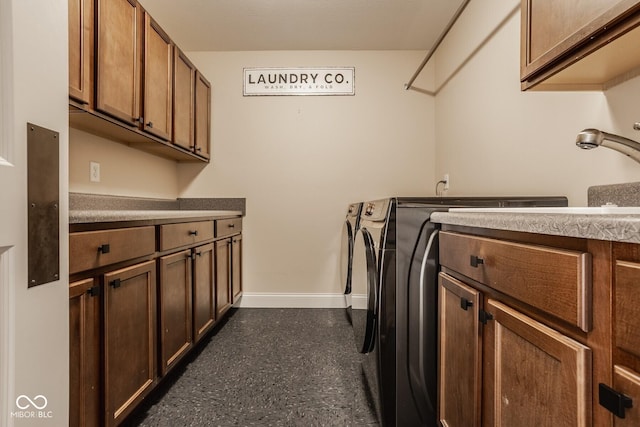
299,81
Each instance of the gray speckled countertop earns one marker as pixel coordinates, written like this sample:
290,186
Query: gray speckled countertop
101,216
613,227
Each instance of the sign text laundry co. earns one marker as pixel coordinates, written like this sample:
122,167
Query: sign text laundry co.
299,81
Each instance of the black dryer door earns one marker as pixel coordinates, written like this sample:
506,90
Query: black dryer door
364,283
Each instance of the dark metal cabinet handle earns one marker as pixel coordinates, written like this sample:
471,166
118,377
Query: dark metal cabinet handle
232,225
104,249
115,283
475,261
150,124
199,149
93,291
193,233
614,401
465,303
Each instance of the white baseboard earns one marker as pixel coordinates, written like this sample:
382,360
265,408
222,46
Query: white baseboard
280,300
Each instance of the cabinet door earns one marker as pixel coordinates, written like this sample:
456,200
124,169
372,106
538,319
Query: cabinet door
202,116
627,382
118,58
84,353
130,338
175,308
204,303
236,267
223,288
551,28
158,80
460,367
533,374
81,50
184,74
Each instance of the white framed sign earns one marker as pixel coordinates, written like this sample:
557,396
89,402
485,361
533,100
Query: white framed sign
299,81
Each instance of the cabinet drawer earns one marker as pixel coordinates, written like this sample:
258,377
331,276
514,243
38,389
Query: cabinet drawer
228,227
556,281
93,249
187,233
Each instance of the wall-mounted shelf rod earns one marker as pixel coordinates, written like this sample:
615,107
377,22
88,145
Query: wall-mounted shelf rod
437,43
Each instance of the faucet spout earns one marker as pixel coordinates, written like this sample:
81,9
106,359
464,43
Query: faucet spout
593,138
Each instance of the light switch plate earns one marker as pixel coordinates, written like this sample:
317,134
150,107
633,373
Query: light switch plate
94,171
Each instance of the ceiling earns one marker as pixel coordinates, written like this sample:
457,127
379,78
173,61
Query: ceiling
250,25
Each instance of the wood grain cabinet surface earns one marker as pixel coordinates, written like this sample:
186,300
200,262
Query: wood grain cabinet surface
184,74
118,47
130,331
175,308
128,82
202,145
85,325
204,291
626,330
577,44
157,106
81,27
510,354
140,298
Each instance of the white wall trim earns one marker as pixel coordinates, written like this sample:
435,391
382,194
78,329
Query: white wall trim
290,300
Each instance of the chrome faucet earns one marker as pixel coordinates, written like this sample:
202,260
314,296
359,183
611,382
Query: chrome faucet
592,138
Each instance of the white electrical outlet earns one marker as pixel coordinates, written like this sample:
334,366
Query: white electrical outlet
446,181
94,171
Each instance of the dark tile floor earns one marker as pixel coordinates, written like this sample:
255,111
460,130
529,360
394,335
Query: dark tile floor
266,367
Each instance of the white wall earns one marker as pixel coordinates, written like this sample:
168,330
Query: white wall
34,41
124,171
494,139
300,160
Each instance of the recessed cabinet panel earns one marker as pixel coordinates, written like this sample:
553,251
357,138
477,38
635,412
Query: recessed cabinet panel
130,330
81,50
534,373
85,324
204,302
203,116
183,101
175,308
558,35
627,382
118,59
627,307
460,367
158,80
223,276
236,267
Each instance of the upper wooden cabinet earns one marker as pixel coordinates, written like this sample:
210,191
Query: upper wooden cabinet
125,84
578,44
158,80
184,79
118,60
81,50
202,116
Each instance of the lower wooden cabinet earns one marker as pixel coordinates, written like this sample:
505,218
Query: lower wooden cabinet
85,324
131,320
460,359
175,308
130,330
533,373
236,267
204,295
499,367
223,276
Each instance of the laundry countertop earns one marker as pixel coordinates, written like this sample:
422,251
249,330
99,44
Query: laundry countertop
618,227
